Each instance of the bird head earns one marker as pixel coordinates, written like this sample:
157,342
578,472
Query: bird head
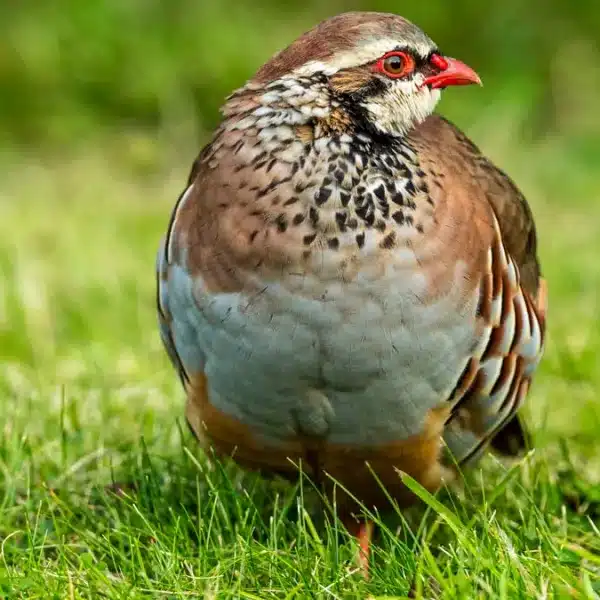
379,71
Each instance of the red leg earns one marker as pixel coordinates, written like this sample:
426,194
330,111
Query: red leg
365,532
362,531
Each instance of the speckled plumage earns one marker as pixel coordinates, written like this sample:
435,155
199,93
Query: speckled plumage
346,278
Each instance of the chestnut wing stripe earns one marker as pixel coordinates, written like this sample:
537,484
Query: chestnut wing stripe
496,378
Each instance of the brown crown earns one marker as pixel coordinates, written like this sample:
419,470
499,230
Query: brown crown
339,34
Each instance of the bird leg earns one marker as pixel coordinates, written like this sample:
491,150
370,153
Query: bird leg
363,532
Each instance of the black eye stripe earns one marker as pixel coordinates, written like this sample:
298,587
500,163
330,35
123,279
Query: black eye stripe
420,60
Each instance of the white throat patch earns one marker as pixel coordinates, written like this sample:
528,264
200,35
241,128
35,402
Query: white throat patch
403,106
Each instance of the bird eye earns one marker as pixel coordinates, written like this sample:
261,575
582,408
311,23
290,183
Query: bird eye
396,64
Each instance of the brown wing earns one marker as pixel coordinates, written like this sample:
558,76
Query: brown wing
517,229
512,210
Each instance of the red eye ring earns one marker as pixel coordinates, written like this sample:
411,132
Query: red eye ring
395,64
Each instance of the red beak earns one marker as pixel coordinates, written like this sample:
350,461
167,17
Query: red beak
454,73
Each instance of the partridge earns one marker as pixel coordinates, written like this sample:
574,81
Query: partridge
347,283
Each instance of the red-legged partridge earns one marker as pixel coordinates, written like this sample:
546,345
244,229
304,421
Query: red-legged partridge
347,282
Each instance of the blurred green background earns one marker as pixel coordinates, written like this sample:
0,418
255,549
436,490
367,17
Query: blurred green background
71,67
103,106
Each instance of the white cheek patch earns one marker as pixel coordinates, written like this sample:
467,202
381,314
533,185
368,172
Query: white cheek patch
402,107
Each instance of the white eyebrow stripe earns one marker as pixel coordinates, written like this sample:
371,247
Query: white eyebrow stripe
364,54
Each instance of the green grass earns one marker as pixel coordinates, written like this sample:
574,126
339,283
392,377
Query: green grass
88,398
